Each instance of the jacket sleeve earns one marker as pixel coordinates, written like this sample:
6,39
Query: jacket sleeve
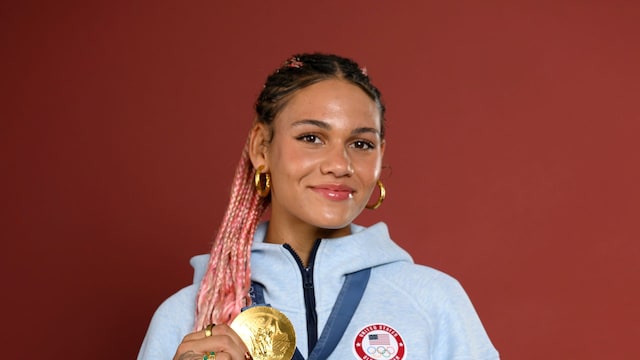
460,334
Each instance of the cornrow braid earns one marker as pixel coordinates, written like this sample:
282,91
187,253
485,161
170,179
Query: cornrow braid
224,287
303,70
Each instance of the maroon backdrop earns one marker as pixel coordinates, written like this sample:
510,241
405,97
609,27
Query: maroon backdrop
512,157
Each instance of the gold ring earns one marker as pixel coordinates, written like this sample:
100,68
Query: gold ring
210,356
207,331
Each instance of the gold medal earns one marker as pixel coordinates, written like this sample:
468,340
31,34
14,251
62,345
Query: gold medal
267,333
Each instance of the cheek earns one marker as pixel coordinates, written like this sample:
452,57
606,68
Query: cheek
291,159
288,168
369,167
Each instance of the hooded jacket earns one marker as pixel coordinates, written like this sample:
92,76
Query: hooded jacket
407,311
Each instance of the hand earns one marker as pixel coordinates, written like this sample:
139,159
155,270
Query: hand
226,344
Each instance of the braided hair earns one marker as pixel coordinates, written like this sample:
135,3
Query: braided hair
224,288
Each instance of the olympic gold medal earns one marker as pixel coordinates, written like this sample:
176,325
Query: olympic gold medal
267,333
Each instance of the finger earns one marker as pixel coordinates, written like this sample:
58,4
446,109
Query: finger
212,355
191,355
222,340
223,356
226,330
199,334
218,330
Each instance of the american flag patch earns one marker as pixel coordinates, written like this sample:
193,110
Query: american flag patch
379,339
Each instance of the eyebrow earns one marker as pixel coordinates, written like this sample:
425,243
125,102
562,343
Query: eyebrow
325,126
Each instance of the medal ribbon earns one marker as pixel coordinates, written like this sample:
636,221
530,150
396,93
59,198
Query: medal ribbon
345,306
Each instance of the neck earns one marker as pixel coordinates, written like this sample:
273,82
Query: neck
301,237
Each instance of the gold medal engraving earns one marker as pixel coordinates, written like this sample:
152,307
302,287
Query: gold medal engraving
267,333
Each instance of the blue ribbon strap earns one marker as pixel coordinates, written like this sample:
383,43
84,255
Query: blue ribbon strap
345,306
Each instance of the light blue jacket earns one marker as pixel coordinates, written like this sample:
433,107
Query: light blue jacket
408,311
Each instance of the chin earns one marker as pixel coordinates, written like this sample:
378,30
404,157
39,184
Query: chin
332,216
332,226
334,223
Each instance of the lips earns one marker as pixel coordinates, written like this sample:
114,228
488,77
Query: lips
334,191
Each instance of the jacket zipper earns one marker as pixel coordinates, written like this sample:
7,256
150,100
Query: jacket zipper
309,293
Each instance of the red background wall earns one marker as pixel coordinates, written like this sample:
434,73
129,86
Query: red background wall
512,147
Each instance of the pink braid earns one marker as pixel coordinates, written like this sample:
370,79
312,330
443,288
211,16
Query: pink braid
225,285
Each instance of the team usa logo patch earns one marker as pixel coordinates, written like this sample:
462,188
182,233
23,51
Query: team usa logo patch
378,341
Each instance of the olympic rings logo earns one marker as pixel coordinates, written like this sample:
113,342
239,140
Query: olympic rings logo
378,342
377,351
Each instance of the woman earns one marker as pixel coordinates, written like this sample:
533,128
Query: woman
314,156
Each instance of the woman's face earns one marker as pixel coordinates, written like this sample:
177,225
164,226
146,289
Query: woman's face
325,156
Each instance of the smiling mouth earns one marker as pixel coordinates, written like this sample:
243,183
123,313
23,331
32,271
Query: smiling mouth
336,193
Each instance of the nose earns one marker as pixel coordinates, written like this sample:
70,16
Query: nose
337,161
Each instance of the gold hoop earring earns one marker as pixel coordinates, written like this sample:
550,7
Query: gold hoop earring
262,191
383,193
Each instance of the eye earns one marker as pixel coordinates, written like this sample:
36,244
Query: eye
363,145
309,138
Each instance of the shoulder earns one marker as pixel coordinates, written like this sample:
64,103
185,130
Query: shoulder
431,286
173,319
177,306
439,302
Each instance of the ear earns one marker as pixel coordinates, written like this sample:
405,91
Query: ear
259,145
